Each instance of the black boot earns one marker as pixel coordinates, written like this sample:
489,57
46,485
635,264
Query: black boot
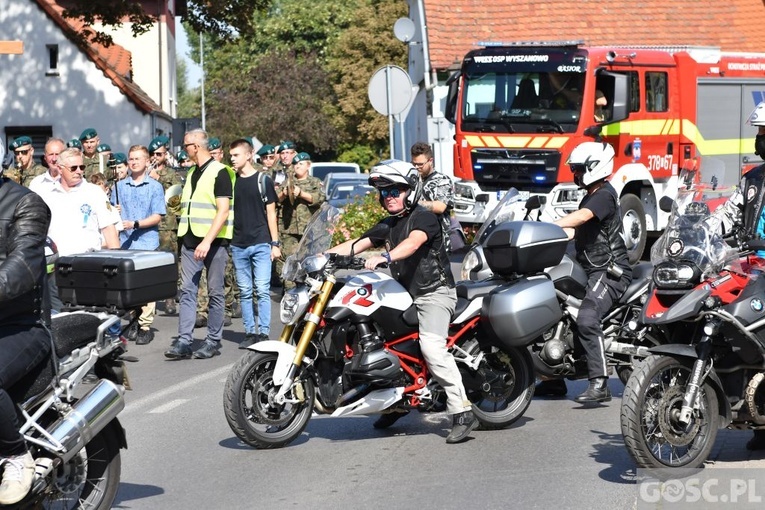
551,388
597,391
757,442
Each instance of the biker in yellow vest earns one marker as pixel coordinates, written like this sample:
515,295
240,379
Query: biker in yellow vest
205,228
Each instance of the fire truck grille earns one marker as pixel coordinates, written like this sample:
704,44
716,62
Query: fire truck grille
525,168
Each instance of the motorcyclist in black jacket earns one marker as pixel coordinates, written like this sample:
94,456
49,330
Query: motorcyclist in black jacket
597,230
24,341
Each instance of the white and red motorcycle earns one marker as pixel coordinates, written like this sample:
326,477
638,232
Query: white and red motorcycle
318,365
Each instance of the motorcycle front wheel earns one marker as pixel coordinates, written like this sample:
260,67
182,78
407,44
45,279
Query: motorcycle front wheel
252,413
90,480
651,403
502,387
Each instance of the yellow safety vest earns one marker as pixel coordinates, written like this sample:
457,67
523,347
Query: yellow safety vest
198,211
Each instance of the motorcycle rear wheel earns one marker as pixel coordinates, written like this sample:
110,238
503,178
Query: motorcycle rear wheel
249,407
506,389
650,405
90,480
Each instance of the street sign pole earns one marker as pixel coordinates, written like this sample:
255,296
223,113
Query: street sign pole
389,100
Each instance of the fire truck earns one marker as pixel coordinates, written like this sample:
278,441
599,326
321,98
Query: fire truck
519,110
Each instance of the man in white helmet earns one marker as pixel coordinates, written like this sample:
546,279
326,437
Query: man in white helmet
596,228
417,257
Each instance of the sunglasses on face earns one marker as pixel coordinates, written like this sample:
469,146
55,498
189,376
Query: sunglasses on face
188,144
75,168
270,156
22,152
578,168
394,192
159,153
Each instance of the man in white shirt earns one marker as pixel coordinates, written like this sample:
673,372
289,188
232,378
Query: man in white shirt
79,212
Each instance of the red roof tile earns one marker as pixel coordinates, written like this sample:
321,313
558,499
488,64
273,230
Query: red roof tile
456,26
115,61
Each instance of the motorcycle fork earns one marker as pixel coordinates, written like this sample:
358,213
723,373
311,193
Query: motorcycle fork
312,318
698,373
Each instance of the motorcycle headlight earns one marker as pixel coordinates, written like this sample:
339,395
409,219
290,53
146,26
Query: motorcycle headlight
676,275
471,262
314,263
293,305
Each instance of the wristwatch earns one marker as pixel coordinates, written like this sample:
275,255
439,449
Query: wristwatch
278,244
135,225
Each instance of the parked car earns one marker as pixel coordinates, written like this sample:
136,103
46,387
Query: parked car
333,178
321,169
345,192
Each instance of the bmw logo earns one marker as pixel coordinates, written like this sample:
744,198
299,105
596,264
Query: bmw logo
362,291
756,304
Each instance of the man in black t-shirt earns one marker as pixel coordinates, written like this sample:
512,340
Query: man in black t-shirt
597,230
256,240
417,257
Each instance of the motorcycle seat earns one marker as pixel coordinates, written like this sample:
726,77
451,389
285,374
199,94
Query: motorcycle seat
640,274
73,330
470,290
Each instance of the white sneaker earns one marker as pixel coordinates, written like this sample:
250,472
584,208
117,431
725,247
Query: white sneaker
17,478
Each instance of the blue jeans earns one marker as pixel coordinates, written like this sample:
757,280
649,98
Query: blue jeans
254,261
191,272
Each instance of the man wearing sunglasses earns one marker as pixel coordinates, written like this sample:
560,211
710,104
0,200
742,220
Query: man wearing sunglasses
415,251
24,169
596,228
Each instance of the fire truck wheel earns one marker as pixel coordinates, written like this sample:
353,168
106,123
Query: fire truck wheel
633,219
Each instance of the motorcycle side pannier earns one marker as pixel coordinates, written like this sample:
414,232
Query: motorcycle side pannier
517,313
524,247
119,278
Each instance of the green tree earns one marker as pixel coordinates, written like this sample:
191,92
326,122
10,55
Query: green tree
189,99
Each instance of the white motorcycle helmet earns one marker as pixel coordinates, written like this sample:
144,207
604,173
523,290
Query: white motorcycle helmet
394,173
595,159
757,117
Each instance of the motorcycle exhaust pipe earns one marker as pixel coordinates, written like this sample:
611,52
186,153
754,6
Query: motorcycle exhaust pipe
88,417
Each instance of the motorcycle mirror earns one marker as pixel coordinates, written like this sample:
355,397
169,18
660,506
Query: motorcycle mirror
535,202
665,204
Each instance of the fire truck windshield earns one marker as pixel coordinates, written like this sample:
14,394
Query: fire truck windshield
512,92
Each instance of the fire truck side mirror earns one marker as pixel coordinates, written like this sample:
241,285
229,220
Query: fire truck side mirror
665,204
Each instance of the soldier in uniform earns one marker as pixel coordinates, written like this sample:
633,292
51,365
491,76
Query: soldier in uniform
267,155
166,176
300,196
216,149
104,154
74,143
24,169
90,140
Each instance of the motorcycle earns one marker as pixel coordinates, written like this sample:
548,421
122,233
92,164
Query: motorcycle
707,297
557,353
69,403
350,348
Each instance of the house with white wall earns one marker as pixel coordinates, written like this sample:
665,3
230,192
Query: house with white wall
58,87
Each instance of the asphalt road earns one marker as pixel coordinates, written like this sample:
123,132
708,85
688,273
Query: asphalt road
182,455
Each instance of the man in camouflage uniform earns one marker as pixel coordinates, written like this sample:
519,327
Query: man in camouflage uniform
300,196
24,169
437,189
230,288
267,155
166,176
90,140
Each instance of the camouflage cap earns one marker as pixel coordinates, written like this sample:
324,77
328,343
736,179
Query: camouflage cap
301,156
74,142
266,150
182,156
21,142
213,143
286,145
103,147
157,142
118,158
88,134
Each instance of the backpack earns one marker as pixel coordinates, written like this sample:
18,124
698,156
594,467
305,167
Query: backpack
262,187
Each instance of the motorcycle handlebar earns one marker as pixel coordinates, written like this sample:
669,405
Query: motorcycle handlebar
356,263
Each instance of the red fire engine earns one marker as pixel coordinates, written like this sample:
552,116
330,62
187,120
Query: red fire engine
520,109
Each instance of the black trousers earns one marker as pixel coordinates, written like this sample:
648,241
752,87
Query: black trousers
21,349
603,290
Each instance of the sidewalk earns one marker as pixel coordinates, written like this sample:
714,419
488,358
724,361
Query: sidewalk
730,451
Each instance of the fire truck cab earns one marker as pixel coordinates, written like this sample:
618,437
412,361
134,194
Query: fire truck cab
520,109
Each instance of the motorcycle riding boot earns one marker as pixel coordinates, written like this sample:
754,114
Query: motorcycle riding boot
597,391
462,425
